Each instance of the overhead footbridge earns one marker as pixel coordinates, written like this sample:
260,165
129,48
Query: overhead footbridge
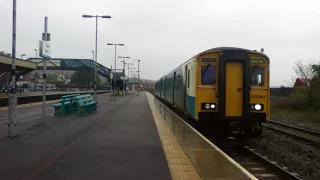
22,67
71,64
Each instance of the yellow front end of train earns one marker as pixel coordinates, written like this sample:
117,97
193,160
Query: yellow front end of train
232,90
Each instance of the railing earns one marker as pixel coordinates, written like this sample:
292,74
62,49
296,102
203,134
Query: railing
56,89
281,91
3,80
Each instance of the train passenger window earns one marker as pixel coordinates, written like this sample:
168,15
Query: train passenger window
208,74
179,82
257,76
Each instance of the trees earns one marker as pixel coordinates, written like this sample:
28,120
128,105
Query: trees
84,78
315,85
316,71
309,92
2,53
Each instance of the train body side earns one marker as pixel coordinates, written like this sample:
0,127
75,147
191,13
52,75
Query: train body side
220,85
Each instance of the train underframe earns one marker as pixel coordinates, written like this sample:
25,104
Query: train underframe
239,130
235,128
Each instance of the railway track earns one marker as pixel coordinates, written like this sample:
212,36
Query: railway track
293,131
260,166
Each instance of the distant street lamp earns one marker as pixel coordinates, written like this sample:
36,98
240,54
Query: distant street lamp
131,77
138,76
115,64
129,69
132,72
95,66
23,55
91,72
36,53
124,64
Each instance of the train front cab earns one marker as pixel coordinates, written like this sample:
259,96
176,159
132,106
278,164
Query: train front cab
237,86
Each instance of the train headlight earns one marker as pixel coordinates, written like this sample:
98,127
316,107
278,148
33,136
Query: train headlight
208,106
257,107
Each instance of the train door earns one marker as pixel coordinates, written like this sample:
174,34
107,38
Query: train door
165,88
234,89
185,89
160,88
173,87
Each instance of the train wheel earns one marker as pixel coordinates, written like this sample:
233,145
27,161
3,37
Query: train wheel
257,129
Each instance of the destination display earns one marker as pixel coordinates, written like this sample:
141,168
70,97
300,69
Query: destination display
257,61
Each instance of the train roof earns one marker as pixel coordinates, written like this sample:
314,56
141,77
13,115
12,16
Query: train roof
228,49
231,49
219,49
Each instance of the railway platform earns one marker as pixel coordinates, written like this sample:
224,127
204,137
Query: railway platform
127,138
31,97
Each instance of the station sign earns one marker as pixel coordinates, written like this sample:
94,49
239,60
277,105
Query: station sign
44,49
111,75
48,37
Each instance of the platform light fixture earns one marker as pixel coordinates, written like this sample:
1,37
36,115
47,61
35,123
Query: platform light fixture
36,52
96,51
23,55
124,64
115,64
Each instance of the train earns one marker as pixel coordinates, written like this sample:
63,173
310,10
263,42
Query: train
225,90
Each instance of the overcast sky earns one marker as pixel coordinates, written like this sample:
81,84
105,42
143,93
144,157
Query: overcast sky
165,33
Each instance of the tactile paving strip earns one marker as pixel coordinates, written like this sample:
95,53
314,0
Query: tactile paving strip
179,164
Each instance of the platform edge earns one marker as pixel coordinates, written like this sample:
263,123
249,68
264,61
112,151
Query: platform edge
179,164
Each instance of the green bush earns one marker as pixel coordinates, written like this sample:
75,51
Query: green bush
314,117
280,103
315,93
297,102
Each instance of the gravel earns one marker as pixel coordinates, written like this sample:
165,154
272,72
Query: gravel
296,121
297,156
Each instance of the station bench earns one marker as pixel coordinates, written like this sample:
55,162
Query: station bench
85,104
81,104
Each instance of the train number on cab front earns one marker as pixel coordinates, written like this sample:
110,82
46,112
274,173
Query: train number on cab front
257,96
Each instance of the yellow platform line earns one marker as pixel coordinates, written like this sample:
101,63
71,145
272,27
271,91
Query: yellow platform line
247,173
30,105
180,166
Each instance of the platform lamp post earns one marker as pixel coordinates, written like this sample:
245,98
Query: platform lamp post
91,72
23,55
129,68
115,65
138,75
132,72
12,124
96,51
36,52
128,75
130,80
124,74
135,75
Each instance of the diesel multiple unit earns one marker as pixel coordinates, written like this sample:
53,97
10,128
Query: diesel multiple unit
224,89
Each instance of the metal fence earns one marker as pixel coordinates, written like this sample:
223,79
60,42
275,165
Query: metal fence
282,91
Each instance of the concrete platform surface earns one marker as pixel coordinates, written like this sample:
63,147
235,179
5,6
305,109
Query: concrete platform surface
119,141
